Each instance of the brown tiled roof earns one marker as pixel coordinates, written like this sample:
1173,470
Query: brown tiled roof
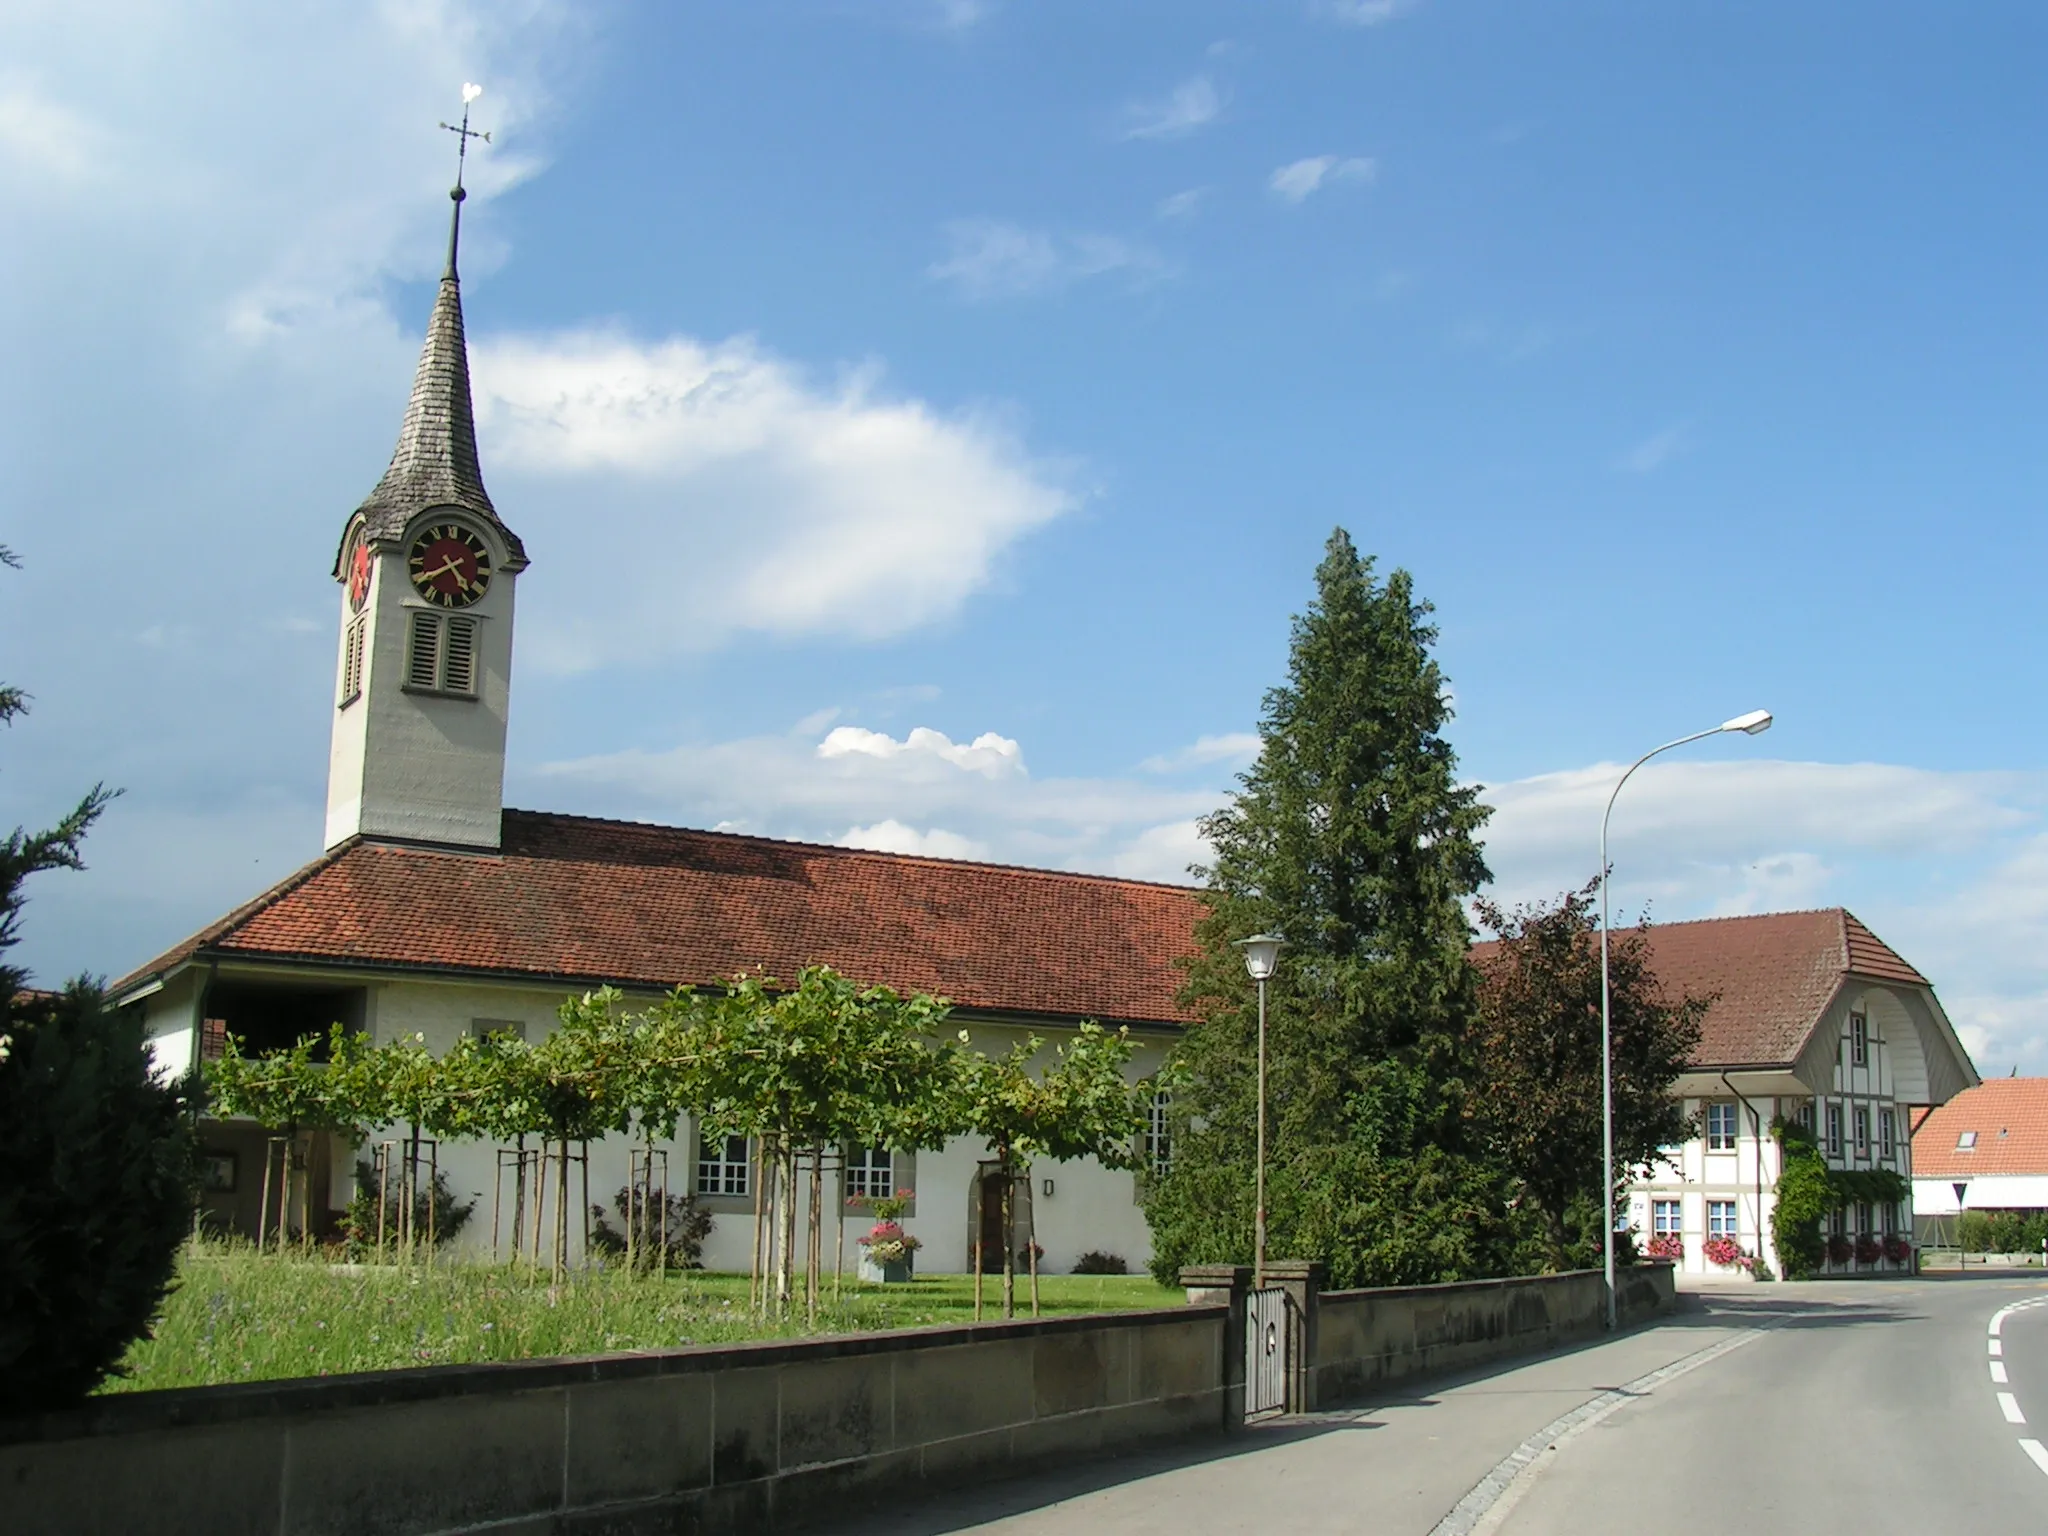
586,900
1770,976
2010,1117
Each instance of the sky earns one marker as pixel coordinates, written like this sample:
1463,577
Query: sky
924,417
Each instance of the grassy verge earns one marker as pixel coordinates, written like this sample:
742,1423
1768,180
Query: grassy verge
238,1317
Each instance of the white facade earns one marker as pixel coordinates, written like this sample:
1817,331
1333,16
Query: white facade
1071,1208
1878,1049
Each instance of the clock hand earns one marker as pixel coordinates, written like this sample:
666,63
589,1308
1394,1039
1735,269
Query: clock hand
454,564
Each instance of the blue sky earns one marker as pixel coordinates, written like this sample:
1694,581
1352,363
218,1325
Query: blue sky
924,416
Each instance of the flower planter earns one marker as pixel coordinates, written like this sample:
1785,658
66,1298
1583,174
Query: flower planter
886,1274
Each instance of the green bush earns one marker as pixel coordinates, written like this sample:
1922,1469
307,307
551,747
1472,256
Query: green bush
688,1225
1096,1262
359,1224
1804,1197
96,1198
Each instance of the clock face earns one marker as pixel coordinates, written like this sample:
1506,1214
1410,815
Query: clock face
450,565
359,575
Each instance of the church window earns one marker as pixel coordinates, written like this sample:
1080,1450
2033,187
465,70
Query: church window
870,1171
441,654
722,1165
352,660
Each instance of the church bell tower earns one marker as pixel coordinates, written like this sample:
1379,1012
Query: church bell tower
423,681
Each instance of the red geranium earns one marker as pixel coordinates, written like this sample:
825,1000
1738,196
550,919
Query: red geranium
1897,1249
1725,1251
1840,1249
1666,1245
1867,1250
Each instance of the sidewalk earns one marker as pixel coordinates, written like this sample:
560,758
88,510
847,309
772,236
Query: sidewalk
1396,1466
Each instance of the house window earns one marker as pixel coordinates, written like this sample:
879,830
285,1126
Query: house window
722,1165
1891,1218
870,1171
1837,1219
1859,1040
1834,1130
1721,1218
1805,1117
1664,1218
213,1039
1886,1142
352,659
441,654
1967,1142
1863,1218
1721,1127
1158,1139
1861,1120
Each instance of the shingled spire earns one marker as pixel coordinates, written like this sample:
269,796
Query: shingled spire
435,462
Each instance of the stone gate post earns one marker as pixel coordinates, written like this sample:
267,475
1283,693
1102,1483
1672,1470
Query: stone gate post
1230,1284
1302,1280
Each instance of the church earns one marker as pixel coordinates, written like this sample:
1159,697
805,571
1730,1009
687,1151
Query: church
437,911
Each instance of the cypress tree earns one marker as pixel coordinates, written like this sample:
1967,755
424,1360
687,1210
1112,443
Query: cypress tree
1352,838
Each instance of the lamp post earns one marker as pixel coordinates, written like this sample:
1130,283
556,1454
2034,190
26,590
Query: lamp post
1261,959
1754,723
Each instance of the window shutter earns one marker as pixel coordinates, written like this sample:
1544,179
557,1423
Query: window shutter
352,660
423,669
458,668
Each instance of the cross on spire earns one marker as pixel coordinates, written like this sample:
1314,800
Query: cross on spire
463,134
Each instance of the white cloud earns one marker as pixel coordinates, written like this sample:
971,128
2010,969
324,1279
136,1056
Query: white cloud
988,754
894,837
1192,104
1296,181
812,508
1236,748
991,259
1653,452
1364,13
1182,205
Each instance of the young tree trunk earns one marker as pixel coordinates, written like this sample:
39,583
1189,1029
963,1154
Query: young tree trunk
1009,1245
756,1293
839,1242
284,1193
263,1205
518,1196
1031,1245
785,1290
814,1248
561,1208
383,1195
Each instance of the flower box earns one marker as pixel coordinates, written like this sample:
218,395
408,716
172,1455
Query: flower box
1897,1250
1666,1245
896,1272
1726,1252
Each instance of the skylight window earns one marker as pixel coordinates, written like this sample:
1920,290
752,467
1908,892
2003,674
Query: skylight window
1966,1141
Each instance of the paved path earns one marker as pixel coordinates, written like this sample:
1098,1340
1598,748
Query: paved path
1846,1407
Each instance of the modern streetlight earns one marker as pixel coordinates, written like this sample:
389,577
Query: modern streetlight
1261,959
1755,723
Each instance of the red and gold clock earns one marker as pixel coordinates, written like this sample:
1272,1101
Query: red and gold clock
358,575
450,565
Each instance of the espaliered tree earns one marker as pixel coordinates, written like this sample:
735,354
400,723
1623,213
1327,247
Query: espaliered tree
1535,1099
1080,1103
1351,837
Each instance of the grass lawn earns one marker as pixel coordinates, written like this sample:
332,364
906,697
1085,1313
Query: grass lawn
238,1317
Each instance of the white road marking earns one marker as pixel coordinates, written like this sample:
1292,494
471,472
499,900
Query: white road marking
2010,1407
1997,1346
2036,1452
1998,1372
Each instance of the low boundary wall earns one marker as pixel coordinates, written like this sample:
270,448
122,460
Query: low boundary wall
712,1439
749,1437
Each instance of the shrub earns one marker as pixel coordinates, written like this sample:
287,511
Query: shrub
1096,1262
1840,1250
688,1224
2008,1233
359,1223
101,1176
1868,1249
1973,1232
1897,1249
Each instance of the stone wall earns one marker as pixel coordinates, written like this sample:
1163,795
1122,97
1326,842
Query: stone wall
741,1438
1358,1340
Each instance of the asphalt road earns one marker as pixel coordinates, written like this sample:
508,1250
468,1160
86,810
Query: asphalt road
1821,1408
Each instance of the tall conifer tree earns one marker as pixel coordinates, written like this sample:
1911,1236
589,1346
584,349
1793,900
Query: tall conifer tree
1352,838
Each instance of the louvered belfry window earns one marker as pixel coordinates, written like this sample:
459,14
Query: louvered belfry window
423,665
352,660
441,654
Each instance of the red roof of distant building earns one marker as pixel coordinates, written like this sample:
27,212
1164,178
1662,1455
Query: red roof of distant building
2010,1118
1771,976
574,898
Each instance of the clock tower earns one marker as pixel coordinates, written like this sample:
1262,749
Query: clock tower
423,680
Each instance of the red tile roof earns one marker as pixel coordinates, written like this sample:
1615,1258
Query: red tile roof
2010,1117
1771,976
574,898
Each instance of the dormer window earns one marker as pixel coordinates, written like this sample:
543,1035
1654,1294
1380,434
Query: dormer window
1966,1142
441,654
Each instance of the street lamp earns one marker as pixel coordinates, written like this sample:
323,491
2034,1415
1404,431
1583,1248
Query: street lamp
1755,723
1261,959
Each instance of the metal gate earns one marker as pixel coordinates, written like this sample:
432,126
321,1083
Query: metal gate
1265,1352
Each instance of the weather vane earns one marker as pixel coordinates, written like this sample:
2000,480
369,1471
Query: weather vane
464,133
